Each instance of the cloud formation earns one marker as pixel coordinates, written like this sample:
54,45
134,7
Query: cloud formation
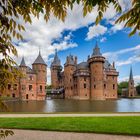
136,79
95,31
133,59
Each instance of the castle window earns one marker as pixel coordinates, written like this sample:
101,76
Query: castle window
94,86
84,85
15,86
40,87
9,86
113,77
30,87
13,95
104,86
113,86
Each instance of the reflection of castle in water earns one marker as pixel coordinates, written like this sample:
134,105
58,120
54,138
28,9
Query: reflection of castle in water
94,79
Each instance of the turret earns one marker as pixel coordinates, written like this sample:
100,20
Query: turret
131,87
69,68
23,66
39,67
96,63
56,69
22,80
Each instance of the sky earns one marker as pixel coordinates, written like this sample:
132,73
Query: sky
78,35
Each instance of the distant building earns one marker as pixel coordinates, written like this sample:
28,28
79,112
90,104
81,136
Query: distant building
131,90
32,85
94,79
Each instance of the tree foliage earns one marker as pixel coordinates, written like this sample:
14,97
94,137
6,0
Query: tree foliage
12,11
138,88
132,17
5,133
122,85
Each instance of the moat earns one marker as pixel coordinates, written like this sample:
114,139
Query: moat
60,105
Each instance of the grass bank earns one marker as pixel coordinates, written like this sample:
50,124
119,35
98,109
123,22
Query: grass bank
110,125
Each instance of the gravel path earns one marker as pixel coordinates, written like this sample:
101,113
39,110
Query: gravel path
48,135
69,115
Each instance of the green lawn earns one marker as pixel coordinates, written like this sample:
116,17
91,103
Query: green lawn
111,125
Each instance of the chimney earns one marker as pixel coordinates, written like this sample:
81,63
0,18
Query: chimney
75,60
113,64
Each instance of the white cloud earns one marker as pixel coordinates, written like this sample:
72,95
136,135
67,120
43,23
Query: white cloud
117,27
114,56
136,79
130,60
95,31
42,34
103,39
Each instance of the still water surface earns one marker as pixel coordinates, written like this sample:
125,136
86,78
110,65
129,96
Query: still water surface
60,105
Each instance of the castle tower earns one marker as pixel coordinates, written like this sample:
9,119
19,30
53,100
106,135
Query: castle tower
82,78
110,81
23,82
23,66
39,67
56,68
69,68
96,65
131,88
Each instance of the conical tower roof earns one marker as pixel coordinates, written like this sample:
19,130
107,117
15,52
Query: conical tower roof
96,50
22,64
131,74
39,60
56,60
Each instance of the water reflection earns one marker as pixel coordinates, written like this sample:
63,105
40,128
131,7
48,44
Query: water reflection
60,105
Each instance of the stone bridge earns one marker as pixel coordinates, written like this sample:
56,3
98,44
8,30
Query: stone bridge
56,93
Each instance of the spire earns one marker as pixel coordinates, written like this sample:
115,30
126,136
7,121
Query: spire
56,60
131,74
22,64
39,59
96,50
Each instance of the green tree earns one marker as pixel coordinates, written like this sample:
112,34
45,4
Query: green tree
122,85
49,86
138,89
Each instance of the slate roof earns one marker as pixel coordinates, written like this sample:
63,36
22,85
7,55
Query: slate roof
22,64
131,74
82,65
96,51
39,60
107,65
56,61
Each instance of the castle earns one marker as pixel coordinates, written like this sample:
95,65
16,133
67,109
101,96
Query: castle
95,79
32,85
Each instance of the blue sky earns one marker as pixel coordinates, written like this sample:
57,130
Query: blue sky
77,36
114,43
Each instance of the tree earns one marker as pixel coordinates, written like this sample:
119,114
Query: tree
138,88
122,85
13,10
